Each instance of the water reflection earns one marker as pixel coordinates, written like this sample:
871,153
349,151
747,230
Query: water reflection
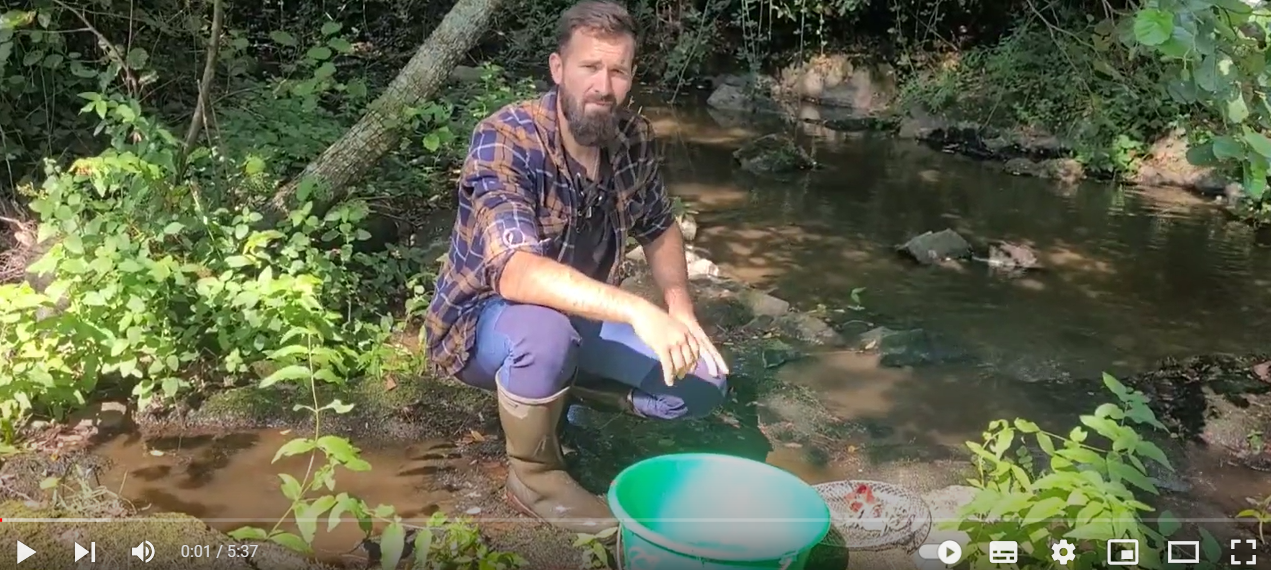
1132,276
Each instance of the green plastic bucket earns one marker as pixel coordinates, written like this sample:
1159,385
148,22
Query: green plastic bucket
708,511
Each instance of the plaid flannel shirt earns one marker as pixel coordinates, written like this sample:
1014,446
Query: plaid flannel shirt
516,194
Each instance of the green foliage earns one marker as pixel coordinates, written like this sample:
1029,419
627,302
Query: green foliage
1216,51
1107,104
41,70
162,279
440,544
1259,511
593,550
1073,490
138,294
162,284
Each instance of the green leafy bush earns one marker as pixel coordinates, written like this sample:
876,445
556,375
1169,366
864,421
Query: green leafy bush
1075,489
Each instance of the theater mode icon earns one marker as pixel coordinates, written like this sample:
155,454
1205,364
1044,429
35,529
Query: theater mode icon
1183,552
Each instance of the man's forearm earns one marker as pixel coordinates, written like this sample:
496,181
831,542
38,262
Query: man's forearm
670,269
536,280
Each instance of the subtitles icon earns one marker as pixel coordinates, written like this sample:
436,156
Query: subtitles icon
1003,552
1183,552
144,551
1123,552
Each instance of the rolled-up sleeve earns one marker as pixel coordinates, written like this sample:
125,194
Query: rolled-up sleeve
505,216
655,215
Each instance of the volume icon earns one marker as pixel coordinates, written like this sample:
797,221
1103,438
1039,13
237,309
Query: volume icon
81,552
144,551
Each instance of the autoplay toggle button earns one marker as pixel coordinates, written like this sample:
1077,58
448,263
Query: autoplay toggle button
948,552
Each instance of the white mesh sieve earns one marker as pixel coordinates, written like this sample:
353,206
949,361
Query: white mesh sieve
896,518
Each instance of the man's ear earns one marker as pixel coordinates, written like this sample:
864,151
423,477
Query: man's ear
557,67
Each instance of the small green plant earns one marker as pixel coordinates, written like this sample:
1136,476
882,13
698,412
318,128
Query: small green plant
857,305
1260,511
442,544
1075,490
593,550
1254,439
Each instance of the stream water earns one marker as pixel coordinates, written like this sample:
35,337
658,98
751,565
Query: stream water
1131,277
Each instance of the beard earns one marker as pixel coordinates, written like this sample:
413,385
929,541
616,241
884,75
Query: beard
595,128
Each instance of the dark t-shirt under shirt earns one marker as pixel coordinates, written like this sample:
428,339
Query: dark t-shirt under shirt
596,244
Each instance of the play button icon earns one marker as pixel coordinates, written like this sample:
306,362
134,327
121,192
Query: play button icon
949,552
24,552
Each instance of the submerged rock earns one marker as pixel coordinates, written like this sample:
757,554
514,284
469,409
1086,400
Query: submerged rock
776,353
868,123
807,328
1012,257
731,98
931,248
913,347
1067,170
764,304
773,154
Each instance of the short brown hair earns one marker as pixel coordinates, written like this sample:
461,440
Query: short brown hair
602,17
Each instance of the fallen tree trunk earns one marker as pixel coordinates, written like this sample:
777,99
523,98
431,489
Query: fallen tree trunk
379,130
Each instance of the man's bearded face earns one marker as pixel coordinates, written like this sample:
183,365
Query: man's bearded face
592,118
594,76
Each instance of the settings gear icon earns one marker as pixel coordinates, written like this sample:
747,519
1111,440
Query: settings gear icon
1063,552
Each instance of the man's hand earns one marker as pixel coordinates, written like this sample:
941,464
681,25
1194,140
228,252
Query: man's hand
714,360
678,341
675,344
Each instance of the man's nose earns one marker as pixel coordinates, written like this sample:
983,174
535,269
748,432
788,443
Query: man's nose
602,86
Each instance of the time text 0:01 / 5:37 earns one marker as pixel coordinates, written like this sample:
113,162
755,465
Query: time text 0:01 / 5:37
217,551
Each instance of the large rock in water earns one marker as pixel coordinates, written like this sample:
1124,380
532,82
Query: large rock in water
934,247
914,347
773,154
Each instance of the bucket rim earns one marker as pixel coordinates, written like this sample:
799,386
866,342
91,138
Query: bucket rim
634,526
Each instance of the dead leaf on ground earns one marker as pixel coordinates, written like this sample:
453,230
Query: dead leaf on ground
390,383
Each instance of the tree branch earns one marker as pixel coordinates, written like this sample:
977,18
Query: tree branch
380,128
111,51
205,86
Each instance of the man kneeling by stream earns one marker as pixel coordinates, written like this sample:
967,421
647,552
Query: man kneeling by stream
526,304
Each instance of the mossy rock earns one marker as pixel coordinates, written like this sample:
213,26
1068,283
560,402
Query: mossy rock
773,154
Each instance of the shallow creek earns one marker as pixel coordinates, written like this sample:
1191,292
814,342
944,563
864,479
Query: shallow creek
1131,277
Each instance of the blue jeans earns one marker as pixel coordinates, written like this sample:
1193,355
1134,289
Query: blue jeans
532,352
